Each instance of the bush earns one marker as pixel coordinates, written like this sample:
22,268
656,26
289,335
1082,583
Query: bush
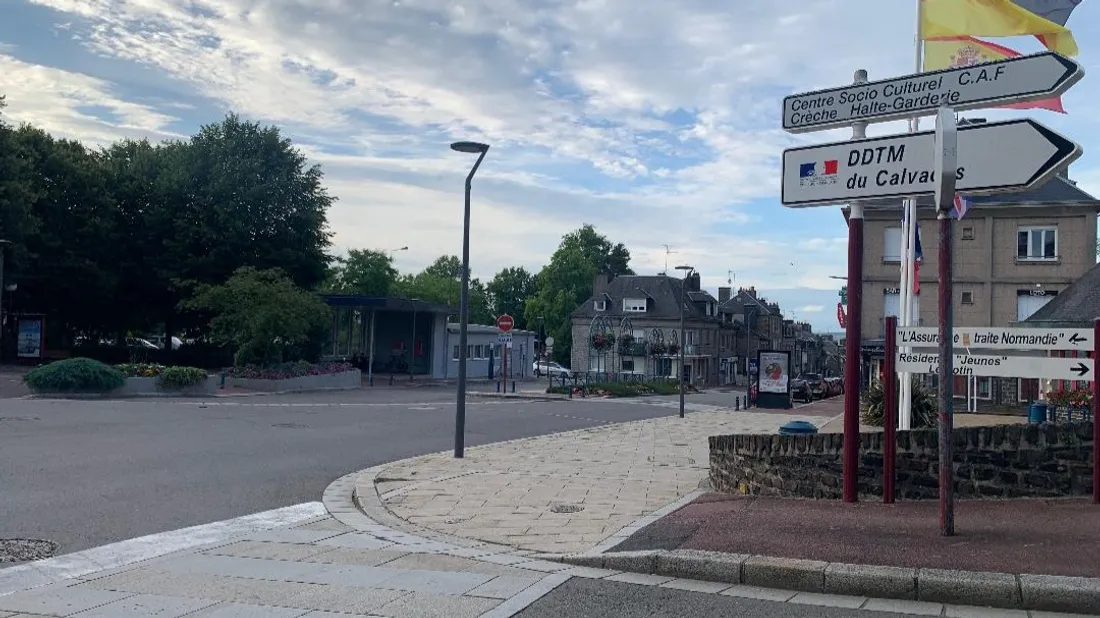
284,371
925,406
140,370
623,389
181,377
75,375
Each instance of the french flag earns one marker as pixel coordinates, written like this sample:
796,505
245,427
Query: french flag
918,256
962,204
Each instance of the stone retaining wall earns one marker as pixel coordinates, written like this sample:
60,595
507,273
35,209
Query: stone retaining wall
1004,461
329,381
152,387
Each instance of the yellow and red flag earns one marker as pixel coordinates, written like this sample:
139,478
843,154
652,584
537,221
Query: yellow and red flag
963,51
992,18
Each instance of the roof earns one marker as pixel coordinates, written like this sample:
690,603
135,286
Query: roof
490,330
385,303
662,291
1077,305
737,303
1058,191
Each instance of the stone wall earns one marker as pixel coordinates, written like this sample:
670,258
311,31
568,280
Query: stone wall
1004,461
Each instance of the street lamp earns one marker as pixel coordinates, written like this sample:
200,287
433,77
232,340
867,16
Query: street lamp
464,303
2,244
683,286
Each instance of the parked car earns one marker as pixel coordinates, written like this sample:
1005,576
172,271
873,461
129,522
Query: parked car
552,368
815,384
834,386
800,389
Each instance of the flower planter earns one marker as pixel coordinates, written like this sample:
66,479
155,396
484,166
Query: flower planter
152,387
344,380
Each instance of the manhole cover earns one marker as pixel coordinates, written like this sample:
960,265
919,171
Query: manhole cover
290,425
26,550
566,508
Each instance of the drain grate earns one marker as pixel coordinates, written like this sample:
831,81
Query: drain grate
26,550
290,426
566,508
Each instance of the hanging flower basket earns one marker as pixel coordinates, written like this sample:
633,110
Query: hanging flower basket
626,345
658,348
602,342
673,348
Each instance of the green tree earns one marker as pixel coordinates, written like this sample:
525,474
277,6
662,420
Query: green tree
264,316
567,281
364,272
441,282
17,221
509,291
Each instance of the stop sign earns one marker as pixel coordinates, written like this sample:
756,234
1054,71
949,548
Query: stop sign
505,323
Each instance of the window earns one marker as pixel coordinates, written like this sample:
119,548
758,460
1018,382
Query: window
1027,390
479,351
1027,304
634,305
1040,243
983,386
968,298
470,351
968,233
600,305
891,248
454,354
628,365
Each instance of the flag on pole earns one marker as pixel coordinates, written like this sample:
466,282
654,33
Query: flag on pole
993,18
1057,11
918,254
963,51
962,204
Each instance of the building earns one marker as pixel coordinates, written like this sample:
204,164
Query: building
483,351
1077,306
389,336
756,325
1013,254
630,326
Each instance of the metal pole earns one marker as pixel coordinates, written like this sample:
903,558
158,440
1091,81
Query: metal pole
3,327
854,332
890,412
370,359
1095,412
945,166
464,317
683,285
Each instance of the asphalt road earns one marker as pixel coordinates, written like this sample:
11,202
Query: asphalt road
86,473
595,598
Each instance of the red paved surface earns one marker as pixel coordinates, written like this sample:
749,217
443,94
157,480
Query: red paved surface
1056,537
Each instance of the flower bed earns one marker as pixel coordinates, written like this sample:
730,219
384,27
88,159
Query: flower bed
152,379
299,376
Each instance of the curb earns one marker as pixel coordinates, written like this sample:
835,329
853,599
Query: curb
1001,590
105,397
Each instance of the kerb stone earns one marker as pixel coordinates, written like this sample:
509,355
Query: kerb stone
880,582
968,588
784,573
1060,594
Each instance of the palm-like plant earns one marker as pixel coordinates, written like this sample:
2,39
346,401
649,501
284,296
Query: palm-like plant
925,407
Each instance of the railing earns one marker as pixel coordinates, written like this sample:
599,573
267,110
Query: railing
638,348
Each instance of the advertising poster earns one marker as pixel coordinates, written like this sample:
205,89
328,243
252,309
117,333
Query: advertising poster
29,339
774,372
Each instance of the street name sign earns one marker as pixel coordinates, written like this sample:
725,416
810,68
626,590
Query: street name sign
505,340
1014,80
1045,339
1000,366
1010,156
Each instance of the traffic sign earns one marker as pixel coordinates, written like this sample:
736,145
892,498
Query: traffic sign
549,341
1000,366
1015,80
1047,339
997,157
505,323
505,340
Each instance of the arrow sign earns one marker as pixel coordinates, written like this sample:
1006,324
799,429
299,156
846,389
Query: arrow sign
998,157
1000,366
981,338
1014,80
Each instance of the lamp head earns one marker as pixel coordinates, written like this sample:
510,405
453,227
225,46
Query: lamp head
469,147
685,267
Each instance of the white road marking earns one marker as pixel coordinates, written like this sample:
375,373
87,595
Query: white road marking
52,570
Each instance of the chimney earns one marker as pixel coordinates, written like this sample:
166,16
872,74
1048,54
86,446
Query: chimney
695,282
599,283
724,294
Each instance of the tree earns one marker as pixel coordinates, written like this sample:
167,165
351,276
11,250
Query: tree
365,272
265,316
509,291
441,282
567,281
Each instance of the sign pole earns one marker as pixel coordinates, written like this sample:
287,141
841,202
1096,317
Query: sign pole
946,164
890,411
854,334
1095,413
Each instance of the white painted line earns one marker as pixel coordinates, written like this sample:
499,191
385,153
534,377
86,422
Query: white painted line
123,553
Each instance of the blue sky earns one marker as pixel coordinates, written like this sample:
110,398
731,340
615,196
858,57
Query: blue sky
656,120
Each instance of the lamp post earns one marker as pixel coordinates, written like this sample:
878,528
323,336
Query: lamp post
464,303
683,285
3,243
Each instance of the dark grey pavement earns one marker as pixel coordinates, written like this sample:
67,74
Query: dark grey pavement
86,473
595,598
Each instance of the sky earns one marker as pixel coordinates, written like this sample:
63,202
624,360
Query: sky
657,121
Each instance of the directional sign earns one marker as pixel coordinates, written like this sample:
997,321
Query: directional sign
997,157
981,338
1000,366
1015,80
505,340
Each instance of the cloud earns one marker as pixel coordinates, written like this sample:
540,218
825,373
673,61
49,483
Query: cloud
811,309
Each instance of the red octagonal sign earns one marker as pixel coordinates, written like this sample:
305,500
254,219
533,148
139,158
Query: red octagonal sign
505,323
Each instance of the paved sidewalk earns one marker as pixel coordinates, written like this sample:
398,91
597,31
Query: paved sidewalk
563,493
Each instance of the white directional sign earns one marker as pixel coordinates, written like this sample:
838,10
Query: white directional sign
1000,366
505,340
1047,339
1010,156
1025,78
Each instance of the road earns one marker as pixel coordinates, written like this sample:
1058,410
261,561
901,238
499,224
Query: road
595,598
87,473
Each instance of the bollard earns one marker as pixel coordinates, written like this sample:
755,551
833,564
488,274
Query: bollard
737,402
224,375
513,387
497,385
